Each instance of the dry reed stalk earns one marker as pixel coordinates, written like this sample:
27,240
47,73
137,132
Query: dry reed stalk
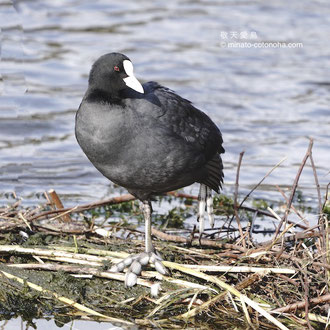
24,220
254,188
79,270
318,318
292,207
261,181
301,304
241,269
240,286
317,184
293,189
84,207
236,199
57,204
227,287
203,242
109,275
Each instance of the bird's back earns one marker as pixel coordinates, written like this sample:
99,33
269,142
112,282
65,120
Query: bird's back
196,130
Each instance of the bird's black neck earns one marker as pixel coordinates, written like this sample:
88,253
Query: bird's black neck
96,95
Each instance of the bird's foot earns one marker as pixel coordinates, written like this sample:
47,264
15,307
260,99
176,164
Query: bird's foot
136,263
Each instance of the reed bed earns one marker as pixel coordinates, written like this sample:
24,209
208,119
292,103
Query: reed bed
55,261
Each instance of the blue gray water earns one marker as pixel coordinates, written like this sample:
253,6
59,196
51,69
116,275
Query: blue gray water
50,324
267,101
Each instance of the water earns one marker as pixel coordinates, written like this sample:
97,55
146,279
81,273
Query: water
266,101
15,324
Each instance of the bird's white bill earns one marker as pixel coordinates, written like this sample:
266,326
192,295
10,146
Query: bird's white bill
131,81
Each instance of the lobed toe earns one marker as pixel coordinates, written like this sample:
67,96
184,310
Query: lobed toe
160,267
117,268
130,279
154,257
128,261
136,267
144,258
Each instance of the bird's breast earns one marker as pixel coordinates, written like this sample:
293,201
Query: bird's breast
135,148
118,141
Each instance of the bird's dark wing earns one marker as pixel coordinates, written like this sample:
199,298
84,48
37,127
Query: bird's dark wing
194,127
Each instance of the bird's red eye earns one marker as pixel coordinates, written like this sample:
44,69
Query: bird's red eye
116,68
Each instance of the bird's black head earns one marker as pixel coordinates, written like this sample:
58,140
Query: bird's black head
112,73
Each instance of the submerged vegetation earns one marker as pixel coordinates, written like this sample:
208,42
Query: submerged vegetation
55,261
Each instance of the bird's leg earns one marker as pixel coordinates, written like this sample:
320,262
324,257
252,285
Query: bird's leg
136,263
205,201
209,206
146,209
201,207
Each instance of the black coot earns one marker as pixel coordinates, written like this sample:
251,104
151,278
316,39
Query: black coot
149,140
